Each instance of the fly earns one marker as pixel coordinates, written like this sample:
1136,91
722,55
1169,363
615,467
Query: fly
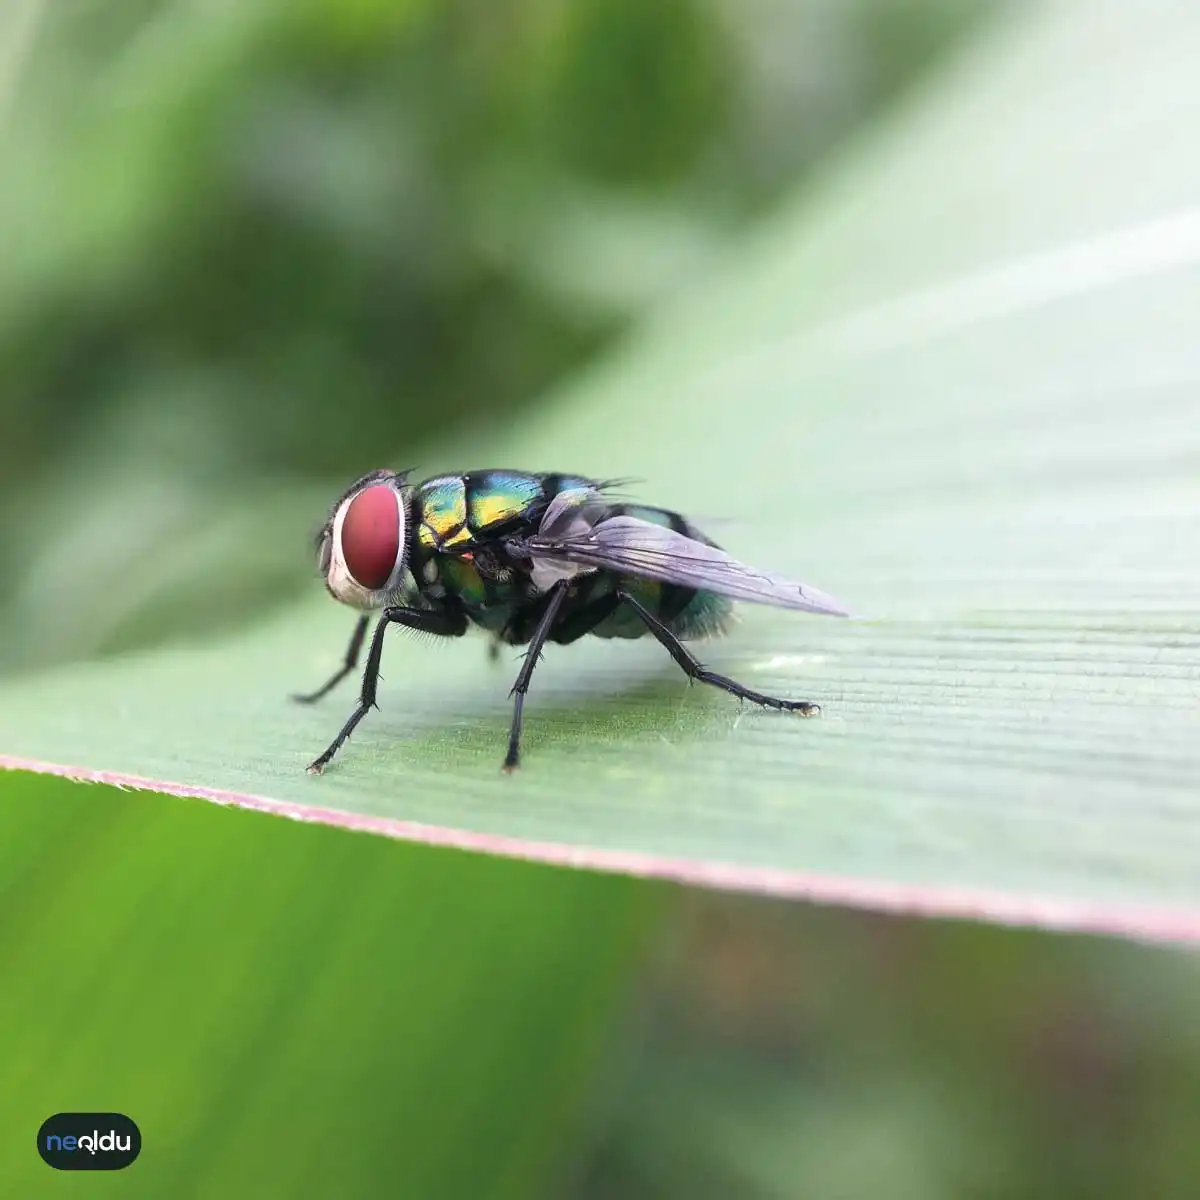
531,559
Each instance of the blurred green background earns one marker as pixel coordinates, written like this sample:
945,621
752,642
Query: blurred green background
245,246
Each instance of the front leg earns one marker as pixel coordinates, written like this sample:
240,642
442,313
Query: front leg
349,662
442,623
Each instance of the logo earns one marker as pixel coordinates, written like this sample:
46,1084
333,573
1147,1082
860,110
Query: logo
89,1141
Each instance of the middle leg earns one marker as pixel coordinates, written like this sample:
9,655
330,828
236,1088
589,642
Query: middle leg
556,596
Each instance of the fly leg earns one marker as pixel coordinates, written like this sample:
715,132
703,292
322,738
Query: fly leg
694,670
351,661
443,624
555,597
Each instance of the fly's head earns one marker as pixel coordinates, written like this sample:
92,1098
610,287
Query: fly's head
363,547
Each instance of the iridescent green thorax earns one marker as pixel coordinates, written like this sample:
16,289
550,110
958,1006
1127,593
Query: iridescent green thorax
459,523
456,510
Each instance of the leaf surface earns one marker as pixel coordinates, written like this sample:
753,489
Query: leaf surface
957,386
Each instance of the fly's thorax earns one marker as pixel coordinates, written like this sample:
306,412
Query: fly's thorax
455,513
482,580
461,523
363,550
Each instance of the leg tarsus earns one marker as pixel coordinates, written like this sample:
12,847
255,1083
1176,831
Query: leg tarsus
695,670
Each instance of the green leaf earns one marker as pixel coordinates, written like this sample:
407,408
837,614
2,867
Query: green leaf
956,386
297,1012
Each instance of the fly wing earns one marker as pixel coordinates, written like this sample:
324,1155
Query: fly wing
575,531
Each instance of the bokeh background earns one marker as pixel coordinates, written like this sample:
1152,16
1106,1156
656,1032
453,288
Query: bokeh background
249,245
245,247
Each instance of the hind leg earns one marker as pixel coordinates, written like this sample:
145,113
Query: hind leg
694,670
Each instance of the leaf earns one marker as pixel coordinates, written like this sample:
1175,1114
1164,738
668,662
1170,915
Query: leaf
283,1012
957,388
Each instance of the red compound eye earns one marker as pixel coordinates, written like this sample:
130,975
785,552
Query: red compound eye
371,536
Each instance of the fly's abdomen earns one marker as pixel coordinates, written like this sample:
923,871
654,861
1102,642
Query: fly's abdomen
687,612
706,614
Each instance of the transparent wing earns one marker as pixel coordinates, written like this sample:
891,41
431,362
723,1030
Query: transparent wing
575,531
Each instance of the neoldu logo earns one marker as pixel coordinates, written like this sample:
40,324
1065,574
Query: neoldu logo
89,1141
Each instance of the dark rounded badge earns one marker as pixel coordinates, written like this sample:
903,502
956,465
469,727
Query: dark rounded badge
89,1141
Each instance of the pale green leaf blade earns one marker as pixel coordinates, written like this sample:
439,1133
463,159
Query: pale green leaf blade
958,387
